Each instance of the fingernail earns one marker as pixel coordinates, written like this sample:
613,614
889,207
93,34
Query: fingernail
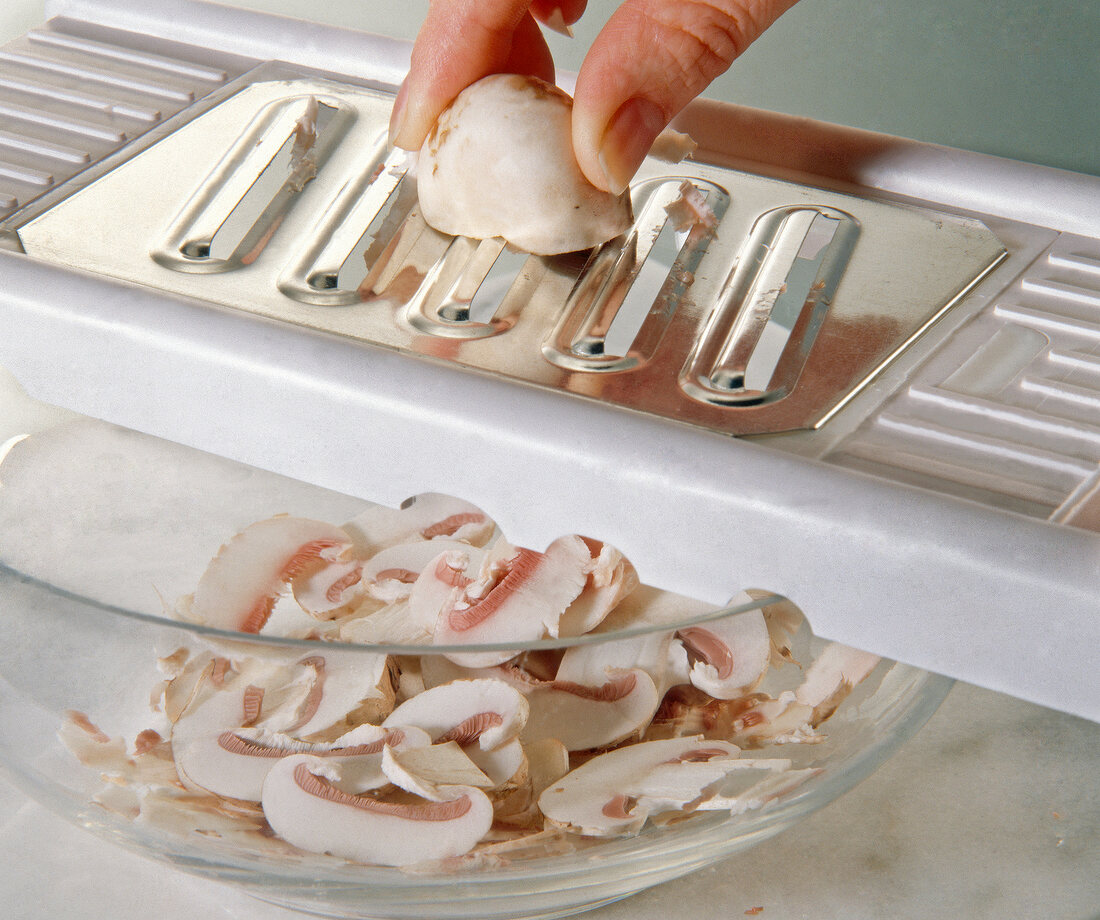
626,142
397,116
555,21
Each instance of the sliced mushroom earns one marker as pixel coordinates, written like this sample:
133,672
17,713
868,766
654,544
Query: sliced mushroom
523,601
306,806
795,715
548,762
545,762
499,163
349,689
187,684
239,588
729,655
486,713
442,579
234,763
423,770
268,707
615,793
391,624
391,572
649,606
589,716
502,764
831,677
611,577
423,517
326,590
657,653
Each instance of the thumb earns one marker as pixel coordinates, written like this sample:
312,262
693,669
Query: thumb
650,60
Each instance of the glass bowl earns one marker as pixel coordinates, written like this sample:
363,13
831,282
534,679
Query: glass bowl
103,530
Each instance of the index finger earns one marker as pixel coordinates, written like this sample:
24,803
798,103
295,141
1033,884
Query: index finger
459,43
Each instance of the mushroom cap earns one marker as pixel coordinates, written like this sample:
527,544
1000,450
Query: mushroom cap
500,162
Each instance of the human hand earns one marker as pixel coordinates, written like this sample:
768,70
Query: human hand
649,61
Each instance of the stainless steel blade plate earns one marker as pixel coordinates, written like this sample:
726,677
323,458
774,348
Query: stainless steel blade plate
283,199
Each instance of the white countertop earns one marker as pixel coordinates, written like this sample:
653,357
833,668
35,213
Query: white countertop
992,812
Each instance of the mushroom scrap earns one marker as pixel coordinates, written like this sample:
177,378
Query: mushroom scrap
446,732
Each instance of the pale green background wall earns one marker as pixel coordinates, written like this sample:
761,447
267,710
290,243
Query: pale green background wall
1017,78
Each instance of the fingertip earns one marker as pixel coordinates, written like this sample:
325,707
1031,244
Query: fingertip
458,44
397,116
410,121
558,15
630,134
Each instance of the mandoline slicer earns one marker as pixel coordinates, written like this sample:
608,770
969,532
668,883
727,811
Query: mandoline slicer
874,389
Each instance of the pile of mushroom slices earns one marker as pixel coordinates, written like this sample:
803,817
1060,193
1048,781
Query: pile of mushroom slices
396,759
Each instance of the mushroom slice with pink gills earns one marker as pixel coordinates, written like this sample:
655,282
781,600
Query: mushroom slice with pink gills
615,793
514,600
305,805
611,577
729,655
485,712
500,163
657,653
235,762
443,577
346,688
588,716
391,572
239,588
428,516
326,590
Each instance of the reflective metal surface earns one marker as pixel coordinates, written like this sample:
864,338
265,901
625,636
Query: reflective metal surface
768,318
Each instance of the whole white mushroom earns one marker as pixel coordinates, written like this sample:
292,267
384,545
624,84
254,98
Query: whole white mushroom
499,163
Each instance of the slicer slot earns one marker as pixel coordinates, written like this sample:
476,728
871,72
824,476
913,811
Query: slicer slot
353,232
612,322
757,340
505,271
443,305
236,210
